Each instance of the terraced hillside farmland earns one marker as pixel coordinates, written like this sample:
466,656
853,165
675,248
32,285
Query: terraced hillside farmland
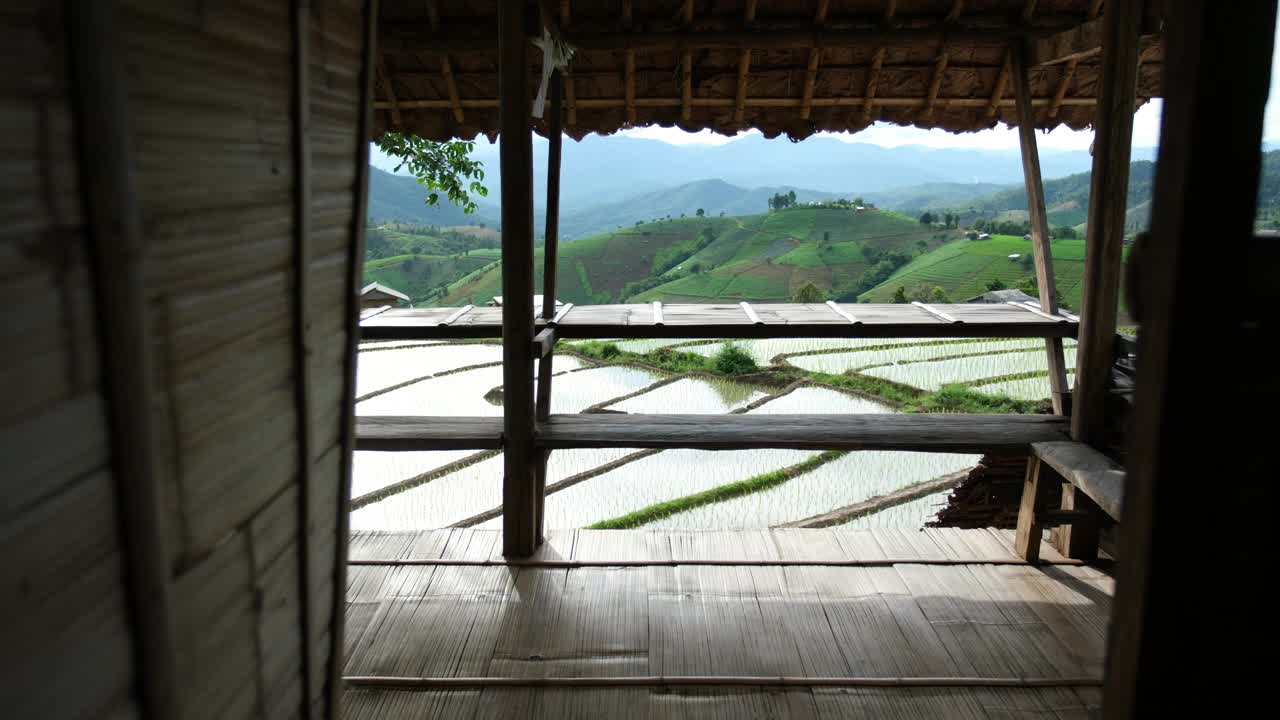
770,257
963,269
422,277
756,257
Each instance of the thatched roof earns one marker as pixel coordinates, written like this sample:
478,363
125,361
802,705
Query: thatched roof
782,66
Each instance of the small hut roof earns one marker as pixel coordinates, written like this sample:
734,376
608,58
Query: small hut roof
781,66
379,287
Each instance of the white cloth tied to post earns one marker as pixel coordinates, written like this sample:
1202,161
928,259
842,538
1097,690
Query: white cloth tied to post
556,54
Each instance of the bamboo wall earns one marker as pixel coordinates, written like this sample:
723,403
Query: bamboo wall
63,609
250,208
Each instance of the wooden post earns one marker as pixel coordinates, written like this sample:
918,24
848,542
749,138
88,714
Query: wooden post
96,64
1036,491
1108,201
1216,56
519,536
1039,222
301,100
550,250
1079,539
354,279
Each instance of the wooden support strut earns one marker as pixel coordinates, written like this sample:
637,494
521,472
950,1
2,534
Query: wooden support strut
570,91
751,314
385,81
519,535
446,70
744,70
686,67
629,68
545,341
815,58
873,76
1039,223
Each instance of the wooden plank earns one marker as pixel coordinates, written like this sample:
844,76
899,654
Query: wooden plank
456,315
1108,198
366,314
551,243
95,62
560,314
428,433
1101,478
935,312
1040,237
921,432
842,312
520,536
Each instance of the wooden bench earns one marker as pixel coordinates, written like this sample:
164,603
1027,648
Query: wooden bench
1092,485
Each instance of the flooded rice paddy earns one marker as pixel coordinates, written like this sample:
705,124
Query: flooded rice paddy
419,490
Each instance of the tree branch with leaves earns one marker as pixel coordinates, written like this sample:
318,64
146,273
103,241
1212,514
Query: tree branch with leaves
443,167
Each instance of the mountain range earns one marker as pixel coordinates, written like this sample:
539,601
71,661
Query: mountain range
602,175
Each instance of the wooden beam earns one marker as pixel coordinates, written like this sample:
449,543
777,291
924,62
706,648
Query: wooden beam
1040,238
1108,200
543,343
418,433
388,92
740,102
1097,475
355,259
408,38
764,102
1028,10
95,60
519,536
957,7
923,432
446,68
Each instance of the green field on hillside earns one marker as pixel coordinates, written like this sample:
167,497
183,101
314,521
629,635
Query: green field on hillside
756,257
769,257
421,276
963,269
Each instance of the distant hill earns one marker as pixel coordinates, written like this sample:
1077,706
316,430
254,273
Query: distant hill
716,197
399,198
767,256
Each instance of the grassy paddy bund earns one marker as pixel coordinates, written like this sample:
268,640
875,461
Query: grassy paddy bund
620,488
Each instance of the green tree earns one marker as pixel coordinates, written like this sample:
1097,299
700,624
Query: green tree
996,284
443,167
733,360
926,218
808,293
858,201
939,295
701,212
900,295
